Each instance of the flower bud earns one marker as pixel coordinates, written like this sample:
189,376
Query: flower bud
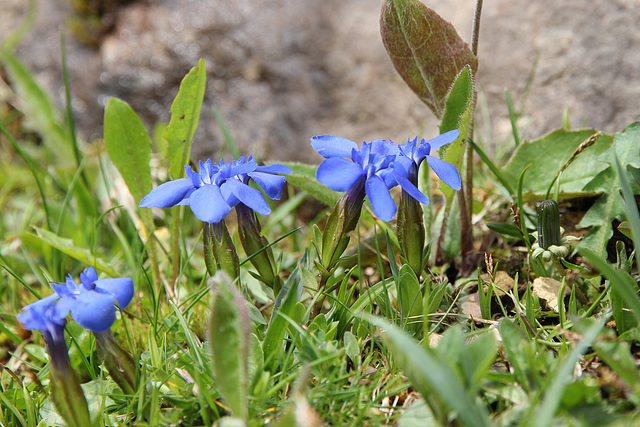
118,361
257,246
219,248
548,224
410,227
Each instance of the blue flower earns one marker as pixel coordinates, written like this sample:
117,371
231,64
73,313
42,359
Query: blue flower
91,303
346,166
42,316
219,187
412,154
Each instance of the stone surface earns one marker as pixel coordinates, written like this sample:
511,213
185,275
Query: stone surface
282,71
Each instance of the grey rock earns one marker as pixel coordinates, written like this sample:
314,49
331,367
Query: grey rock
282,71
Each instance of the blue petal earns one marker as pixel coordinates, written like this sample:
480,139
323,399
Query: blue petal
168,194
249,196
121,288
239,167
88,277
446,172
412,190
384,148
208,205
338,174
64,306
444,139
380,198
94,311
271,184
333,146
274,168
38,315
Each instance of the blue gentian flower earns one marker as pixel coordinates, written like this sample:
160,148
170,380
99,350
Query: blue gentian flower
346,167
218,187
91,303
412,154
382,165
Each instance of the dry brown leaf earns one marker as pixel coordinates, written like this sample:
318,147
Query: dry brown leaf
547,289
470,306
504,282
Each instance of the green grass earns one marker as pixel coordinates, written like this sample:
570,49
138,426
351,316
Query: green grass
352,360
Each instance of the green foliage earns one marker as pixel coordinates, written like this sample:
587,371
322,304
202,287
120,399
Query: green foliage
314,352
185,113
458,112
229,337
304,177
610,206
129,146
432,375
549,154
426,50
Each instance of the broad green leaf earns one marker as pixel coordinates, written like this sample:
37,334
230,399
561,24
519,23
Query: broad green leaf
457,115
303,176
129,146
626,147
548,154
425,50
67,247
40,111
229,329
431,375
185,113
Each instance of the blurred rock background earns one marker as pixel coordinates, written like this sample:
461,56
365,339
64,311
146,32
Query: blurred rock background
281,71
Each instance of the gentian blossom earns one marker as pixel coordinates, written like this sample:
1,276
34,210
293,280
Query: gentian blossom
219,187
411,156
346,167
382,165
91,304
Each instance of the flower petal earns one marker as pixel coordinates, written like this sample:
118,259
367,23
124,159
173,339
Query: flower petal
94,311
271,184
208,205
88,277
333,146
168,194
121,288
380,198
338,174
38,315
446,172
249,196
407,186
444,139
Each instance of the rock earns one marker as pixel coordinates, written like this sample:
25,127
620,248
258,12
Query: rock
282,71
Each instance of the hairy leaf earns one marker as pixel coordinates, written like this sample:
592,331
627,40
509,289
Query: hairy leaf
185,113
457,115
129,146
425,50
